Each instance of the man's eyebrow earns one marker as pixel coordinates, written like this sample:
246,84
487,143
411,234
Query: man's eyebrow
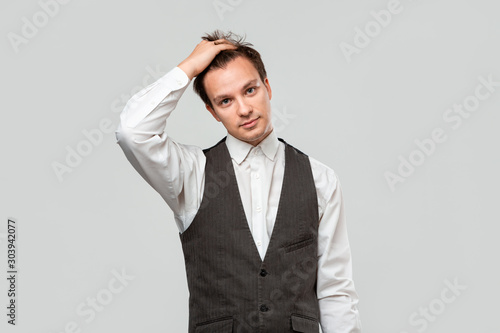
246,86
249,84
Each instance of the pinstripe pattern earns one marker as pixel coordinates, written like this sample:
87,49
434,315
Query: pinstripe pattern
231,288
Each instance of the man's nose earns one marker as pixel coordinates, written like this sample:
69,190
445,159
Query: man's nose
244,108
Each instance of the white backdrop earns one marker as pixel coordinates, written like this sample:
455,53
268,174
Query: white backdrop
400,98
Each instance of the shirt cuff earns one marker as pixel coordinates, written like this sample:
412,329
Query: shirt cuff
175,79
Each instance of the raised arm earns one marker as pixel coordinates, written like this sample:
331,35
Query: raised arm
174,170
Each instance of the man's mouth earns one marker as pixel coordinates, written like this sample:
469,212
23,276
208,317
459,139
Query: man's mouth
250,123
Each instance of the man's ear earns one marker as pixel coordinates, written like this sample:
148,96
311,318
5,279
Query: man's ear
209,108
268,88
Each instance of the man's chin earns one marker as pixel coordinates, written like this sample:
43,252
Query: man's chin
255,138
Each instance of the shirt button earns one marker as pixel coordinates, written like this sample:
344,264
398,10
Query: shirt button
257,176
153,103
263,272
179,82
258,209
259,243
264,308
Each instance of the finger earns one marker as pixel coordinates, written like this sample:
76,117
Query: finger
222,41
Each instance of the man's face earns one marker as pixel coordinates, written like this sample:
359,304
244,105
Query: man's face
240,100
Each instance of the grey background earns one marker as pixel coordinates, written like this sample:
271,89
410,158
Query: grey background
357,117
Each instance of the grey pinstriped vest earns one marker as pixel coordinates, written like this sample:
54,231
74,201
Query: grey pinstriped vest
231,288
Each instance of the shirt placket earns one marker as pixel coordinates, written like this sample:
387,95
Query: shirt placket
256,167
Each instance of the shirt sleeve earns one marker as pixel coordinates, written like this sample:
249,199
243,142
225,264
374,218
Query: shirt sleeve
337,296
174,170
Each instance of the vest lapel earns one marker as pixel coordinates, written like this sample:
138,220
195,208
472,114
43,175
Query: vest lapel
277,223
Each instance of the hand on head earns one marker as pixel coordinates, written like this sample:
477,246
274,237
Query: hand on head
202,56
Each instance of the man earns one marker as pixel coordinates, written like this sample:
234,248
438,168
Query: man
261,224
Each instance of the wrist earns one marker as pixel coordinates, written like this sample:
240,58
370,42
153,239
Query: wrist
190,72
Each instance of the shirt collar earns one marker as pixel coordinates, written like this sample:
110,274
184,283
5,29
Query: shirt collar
239,149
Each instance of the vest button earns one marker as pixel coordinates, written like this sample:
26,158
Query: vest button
264,308
263,272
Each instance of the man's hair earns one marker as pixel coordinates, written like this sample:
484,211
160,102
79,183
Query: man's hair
244,49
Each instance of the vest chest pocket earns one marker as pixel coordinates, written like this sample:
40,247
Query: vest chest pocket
299,245
219,325
304,324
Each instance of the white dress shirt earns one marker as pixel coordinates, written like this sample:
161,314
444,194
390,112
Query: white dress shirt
176,172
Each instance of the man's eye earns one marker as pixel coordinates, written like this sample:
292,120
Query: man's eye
224,101
250,90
